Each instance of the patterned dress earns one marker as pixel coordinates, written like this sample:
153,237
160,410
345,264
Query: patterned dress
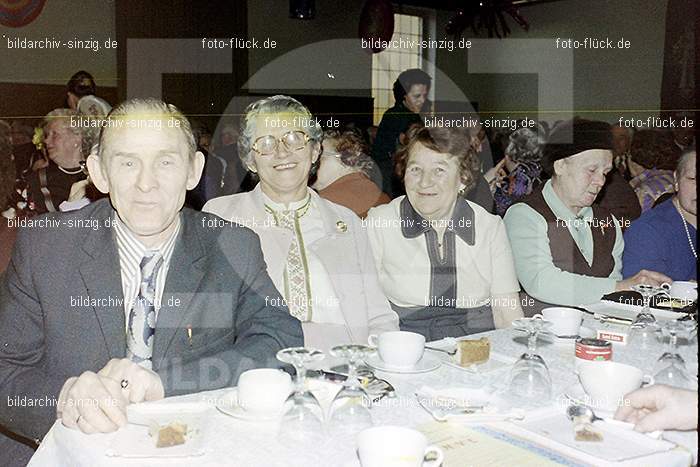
518,184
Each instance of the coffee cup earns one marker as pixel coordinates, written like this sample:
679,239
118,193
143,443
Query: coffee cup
565,321
399,349
606,383
263,391
394,446
684,290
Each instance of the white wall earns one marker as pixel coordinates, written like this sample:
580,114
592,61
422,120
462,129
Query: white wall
63,20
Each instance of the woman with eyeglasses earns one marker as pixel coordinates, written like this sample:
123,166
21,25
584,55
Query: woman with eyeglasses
317,252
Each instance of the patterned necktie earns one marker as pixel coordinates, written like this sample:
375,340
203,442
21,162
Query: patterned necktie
296,274
142,318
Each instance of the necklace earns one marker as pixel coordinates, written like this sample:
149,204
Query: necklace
69,171
687,232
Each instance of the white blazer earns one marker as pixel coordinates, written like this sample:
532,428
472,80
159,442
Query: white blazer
345,253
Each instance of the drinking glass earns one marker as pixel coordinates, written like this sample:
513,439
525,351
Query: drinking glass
530,384
302,419
670,368
644,327
350,409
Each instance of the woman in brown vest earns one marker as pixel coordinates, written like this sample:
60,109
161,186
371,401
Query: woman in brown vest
566,251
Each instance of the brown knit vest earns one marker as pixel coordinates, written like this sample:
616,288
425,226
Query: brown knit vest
565,253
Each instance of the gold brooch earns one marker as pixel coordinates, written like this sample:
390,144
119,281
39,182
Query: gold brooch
341,226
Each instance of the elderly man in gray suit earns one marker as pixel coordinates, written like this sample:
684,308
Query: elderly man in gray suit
132,298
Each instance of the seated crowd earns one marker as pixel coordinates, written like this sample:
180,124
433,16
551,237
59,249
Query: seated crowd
158,299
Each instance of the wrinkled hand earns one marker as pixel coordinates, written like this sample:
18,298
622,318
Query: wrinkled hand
92,403
660,407
143,384
495,174
652,278
77,190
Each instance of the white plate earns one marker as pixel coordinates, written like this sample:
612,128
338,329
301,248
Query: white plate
228,405
425,364
134,441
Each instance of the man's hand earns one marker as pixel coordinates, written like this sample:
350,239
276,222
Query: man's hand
652,278
660,407
138,384
92,403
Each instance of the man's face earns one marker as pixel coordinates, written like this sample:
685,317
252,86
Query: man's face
415,97
581,177
284,174
686,187
146,172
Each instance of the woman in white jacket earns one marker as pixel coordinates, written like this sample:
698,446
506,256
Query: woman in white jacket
317,252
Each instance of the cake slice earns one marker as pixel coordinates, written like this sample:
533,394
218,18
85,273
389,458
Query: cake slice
472,351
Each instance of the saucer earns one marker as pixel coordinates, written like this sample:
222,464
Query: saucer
425,364
228,405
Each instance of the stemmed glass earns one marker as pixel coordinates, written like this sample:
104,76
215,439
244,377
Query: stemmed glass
644,325
670,368
302,420
350,409
529,382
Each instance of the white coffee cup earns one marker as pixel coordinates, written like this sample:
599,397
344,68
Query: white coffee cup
565,321
684,290
606,383
399,349
394,446
263,391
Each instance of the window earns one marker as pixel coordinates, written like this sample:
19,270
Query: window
386,65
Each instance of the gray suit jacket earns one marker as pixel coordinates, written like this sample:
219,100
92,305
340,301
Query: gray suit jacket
61,315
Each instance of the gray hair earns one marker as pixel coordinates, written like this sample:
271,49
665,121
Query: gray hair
524,145
270,106
152,108
684,161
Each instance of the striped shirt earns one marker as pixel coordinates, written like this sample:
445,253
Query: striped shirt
650,185
131,252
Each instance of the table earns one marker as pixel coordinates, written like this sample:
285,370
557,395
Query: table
234,442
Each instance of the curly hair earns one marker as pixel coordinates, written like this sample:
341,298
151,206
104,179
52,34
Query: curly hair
654,149
455,142
352,148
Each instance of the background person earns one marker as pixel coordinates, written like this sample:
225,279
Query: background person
653,157
444,262
346,173
81,84
665,238
411,90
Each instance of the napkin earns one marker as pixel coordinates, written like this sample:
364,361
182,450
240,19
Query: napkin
618,444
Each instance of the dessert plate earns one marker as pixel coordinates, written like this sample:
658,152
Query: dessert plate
425,364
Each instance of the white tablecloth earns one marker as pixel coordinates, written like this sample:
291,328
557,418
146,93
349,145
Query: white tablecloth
233,442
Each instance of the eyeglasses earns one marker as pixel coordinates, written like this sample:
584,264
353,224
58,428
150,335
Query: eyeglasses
292,140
